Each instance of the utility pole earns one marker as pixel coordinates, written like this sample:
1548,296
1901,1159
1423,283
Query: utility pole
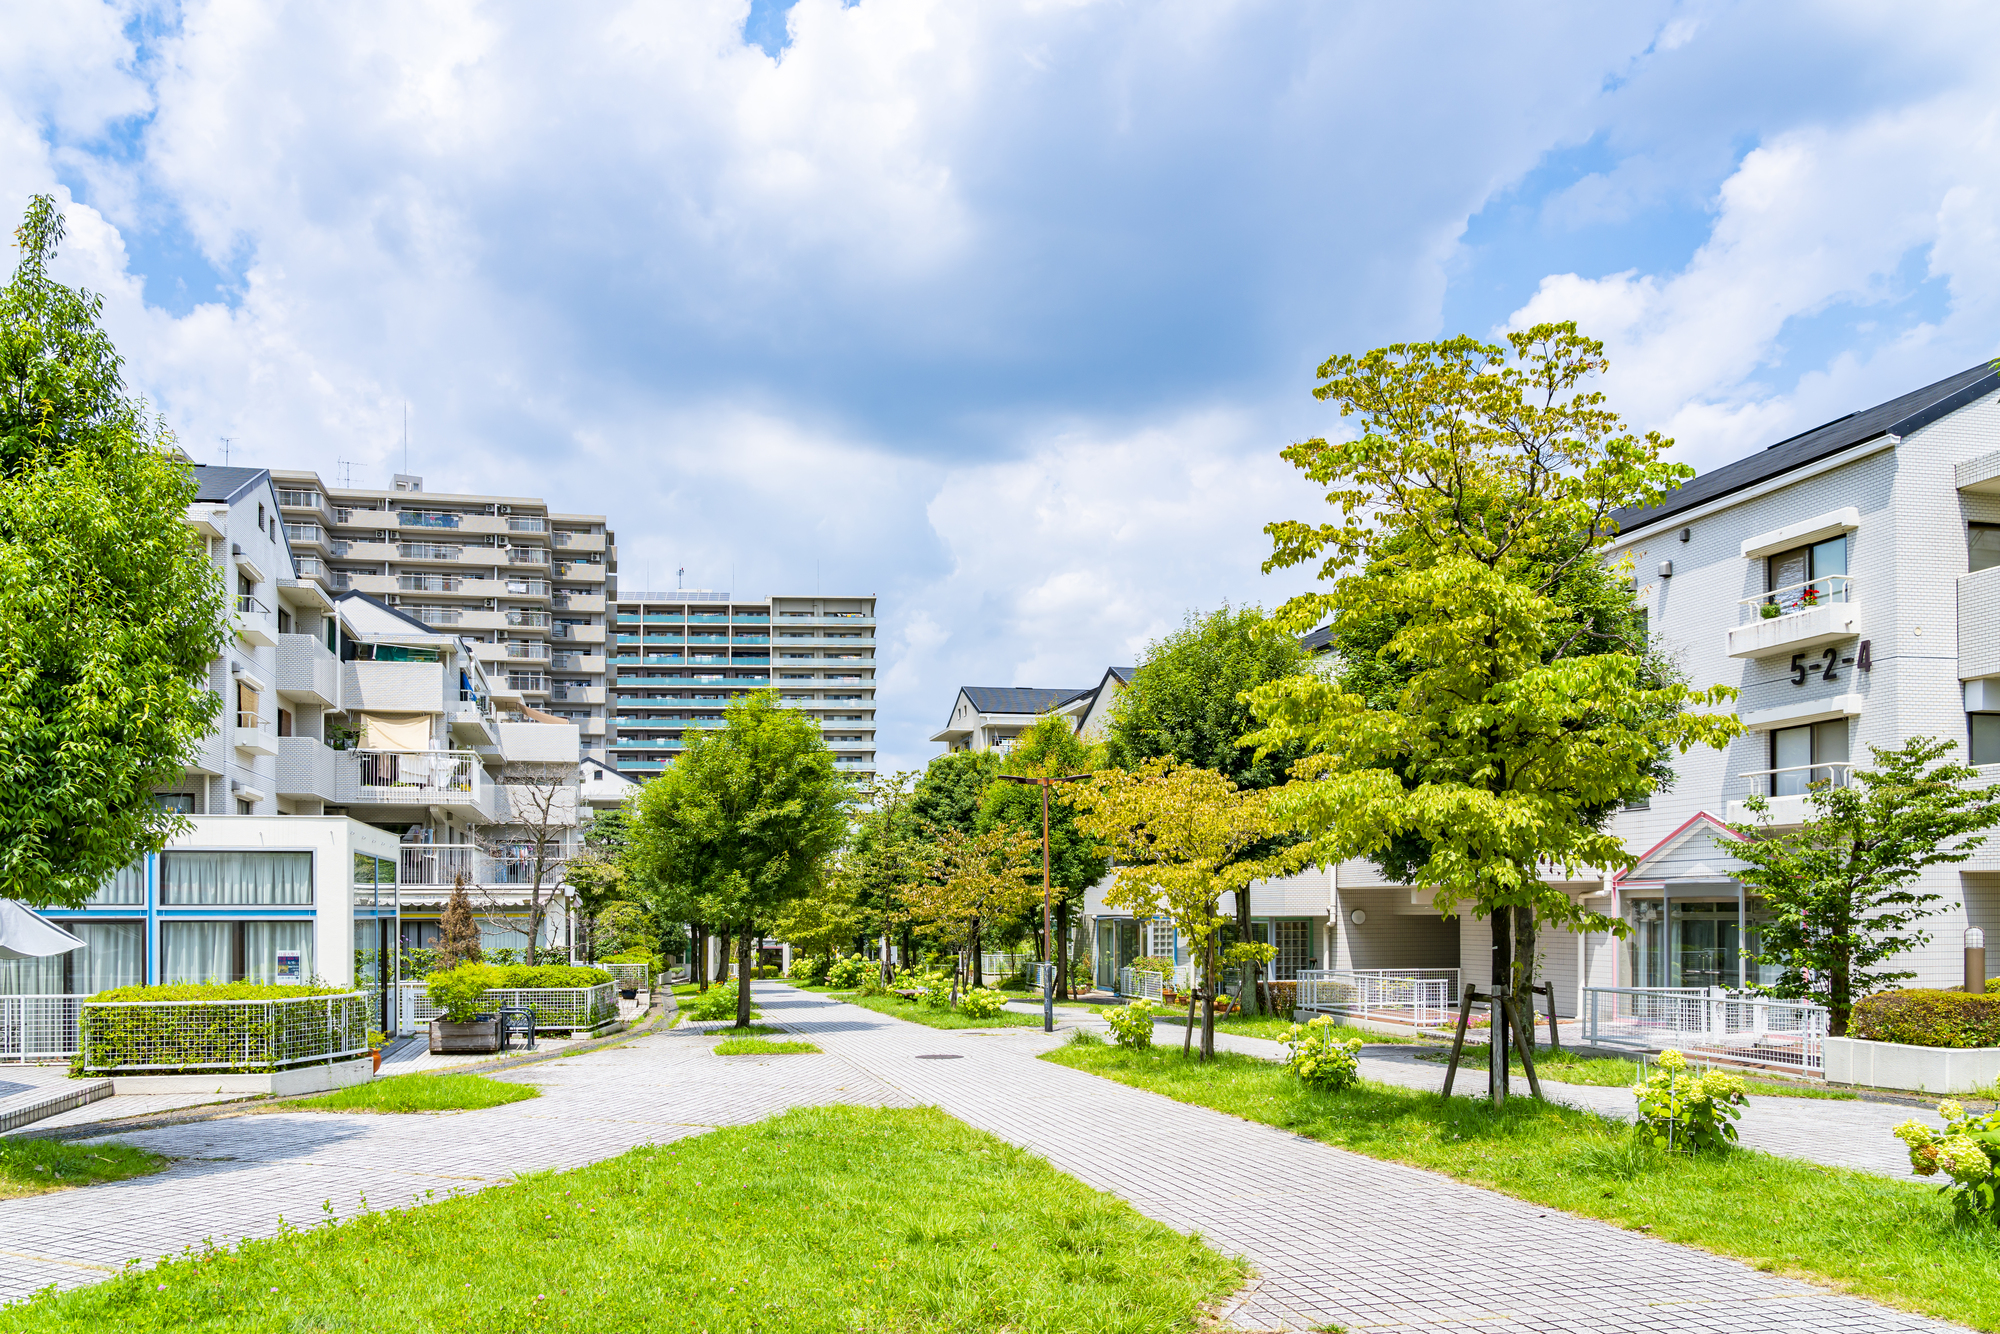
1048,932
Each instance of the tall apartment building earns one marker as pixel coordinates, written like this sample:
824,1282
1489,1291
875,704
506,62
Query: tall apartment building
528,588
679,657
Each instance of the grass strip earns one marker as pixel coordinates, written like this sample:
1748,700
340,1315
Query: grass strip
1271,1026
918,1013
34,1166
1569,1067
762,1047
1894,1241
820,1221
419,1093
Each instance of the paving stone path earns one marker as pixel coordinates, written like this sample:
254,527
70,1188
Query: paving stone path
1336,1238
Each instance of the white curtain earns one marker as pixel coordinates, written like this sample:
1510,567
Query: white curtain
233,878
198,951
114,956
32,977
127,889
395,731
263,940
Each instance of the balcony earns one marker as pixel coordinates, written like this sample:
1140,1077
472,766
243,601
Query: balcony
526,524
305,534
429,583
426,519
525,649
307,768
448,778
581,570
441,865
301,500
1795,618
563,693
536,619
308,671
580,634
527,556
253,734
434,615
427,551
533,683
254,622
1788,801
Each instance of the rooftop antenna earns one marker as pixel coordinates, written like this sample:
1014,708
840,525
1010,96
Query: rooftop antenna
679,576
226,441
406,435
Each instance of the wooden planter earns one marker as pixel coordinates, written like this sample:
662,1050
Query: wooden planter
481,1035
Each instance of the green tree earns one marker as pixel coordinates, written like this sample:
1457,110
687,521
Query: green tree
1051,748
595,876
885,852
952,789
969,883
1189,700
744,823
1482,479
110,610
1843,888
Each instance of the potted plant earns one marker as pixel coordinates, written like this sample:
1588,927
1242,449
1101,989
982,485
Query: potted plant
460,993
1770,610
376,1041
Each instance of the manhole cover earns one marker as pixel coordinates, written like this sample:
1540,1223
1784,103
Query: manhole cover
941,1056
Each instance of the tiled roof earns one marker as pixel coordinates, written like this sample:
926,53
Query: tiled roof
221,485
1021,699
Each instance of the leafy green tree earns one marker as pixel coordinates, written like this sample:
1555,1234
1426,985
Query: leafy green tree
1050,748
1843,888
953,788
1189,700
969,883
595,876
1482,479
885,852
744,823
110,611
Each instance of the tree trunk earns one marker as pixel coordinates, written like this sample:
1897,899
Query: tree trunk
1061,946
743,976
1251,1001
722,957
888,975
978,974
700,960
1523,980
1209,978
1501,973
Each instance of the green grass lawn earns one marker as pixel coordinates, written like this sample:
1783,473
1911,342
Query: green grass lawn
32,1166
1569,1067
1271,1026
821,1221
761,1047
418,1093
753,1031
1894,1241
917,1013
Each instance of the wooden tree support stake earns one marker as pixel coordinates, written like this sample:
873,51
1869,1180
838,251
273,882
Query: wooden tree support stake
1502,1013
1458,1042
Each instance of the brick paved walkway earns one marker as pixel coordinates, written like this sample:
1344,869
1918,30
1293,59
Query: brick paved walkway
1337,1238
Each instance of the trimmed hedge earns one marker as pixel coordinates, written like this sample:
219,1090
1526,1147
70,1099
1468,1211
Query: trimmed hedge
1920,1017
520,977
215,991
208,1033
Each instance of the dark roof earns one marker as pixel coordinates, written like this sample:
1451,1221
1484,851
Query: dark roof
1317,641
1124,674
222,485
397,612
1897,417
1021,699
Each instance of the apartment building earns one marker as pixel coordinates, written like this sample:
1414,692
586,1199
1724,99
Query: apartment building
526,587
680,657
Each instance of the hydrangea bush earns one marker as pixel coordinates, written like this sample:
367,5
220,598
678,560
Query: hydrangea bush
848,971
1132,1025
1688,1112
981,1003
1320,1059
1965,1151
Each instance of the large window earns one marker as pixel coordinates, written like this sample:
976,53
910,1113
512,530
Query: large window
234,951
1694,943
233,879
1809,575
373,875
127,889
1806,757
1985,737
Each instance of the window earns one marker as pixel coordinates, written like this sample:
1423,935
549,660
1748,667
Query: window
126,889
1806,757
1807,576
1985,737
1160,939
273,878
284,722
1292,942
1982,545
284,621
232,951
180,803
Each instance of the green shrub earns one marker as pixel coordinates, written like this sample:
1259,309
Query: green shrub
215,991
769,970
1687,1112
981,1003
1153,963
808,969
1920,1017
461,992
230,1027
1085,1037
717,1002
1320,1059
1967,1152
1132,1025
848,971
933,988
521,977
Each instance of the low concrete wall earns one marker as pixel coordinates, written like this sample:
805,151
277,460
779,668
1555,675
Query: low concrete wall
309,1079
1893,1065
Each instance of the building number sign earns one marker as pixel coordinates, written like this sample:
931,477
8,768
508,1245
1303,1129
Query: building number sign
1804,666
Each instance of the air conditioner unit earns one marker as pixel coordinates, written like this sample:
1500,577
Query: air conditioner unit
506,509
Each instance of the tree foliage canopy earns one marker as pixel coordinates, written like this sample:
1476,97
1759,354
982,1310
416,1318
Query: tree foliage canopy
1481,482
1842,888
110,611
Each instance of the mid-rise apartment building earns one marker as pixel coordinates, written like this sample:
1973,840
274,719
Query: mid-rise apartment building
680,657
528,588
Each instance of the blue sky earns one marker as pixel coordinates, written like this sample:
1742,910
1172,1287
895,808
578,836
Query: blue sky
999,311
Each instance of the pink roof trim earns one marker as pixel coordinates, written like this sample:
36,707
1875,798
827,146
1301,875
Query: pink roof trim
1699,817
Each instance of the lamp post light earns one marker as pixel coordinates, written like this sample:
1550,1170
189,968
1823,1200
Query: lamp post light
1048,932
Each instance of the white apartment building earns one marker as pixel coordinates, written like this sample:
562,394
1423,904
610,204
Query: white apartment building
527,587
993,717
680,657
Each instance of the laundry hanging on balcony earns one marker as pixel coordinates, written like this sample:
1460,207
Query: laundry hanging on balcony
27,935
395,731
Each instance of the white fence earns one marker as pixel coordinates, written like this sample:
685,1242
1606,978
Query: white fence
577,1009
1709,1022
638,976
39,1028
1419,997
166,1036
1141,983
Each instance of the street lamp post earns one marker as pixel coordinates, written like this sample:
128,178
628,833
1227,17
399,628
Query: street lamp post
1048,932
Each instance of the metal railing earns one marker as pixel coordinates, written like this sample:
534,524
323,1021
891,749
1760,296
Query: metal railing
306,532
222,1035
248,721
554,1008
418,771
522,648
301,499
527,556
1709,1022
1141,983
39,1028
1832,774
636,975
527,681
248,605
441,864
434,615
430,583
526,525
527,618
427,519
1797,597
1419,997
427,551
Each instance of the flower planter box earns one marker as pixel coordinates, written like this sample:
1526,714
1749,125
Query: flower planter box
1894,1065
481,1035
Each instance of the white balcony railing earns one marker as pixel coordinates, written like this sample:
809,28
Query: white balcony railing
413,777
439,865
1419,997
1709,1022
1798,779
1796,597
